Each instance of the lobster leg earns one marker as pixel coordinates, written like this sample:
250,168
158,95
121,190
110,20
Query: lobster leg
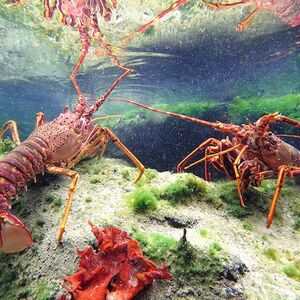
143,28
40,119
283,171
49,9
98,139
245,23
74,176
85,45
242,25
237,175
194,152
122,147
220,6
12,126
212,155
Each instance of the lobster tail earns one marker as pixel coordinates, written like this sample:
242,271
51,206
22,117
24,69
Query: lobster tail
14,235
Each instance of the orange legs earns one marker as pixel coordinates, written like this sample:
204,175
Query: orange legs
242,25
12,126
237,175
283,172
194,152
122,147
74,176
143,28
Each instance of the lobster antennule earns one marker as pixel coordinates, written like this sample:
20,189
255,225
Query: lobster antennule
230,128
14,235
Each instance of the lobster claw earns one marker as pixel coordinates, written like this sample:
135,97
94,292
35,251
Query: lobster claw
14,236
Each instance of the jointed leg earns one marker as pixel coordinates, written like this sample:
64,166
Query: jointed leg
212,155
12,126
245,23
122,147
74,176
143,28
237,175
194,152
220,6
40,119
85,45
283,171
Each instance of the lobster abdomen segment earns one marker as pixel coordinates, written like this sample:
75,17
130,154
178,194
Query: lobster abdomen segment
22,164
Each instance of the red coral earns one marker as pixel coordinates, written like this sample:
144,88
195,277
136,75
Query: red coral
117,272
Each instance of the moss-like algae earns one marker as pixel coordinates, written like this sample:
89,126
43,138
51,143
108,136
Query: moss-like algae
271,253
293,270
184,188
142,200
187,263
240,109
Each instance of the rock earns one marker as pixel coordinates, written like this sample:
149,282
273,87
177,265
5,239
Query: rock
180,223
234,271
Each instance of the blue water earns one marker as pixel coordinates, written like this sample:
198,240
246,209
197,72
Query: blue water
219,69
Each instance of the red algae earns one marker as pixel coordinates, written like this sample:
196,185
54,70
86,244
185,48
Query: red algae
118,271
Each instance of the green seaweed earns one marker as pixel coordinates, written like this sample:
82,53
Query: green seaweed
95,179
293,270
203,233
43,291
88,199
187,187
142,200
187,263
240,109
12,286
6,145
271,253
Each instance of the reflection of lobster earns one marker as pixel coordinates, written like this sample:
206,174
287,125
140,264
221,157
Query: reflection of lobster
83,16
287,11
254,153
54,147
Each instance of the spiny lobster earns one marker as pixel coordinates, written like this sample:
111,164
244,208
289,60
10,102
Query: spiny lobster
254,152
53,147
287,11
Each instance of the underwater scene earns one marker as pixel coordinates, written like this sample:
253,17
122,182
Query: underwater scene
149,150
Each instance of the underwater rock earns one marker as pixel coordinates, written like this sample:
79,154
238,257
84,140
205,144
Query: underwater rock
180,223
234,271
118,271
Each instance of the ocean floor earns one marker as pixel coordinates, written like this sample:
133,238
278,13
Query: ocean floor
270,257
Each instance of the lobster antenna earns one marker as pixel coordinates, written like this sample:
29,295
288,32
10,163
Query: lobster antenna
179,116
106,118
289,135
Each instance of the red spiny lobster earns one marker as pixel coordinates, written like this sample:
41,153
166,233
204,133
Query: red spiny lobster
53,147
254,153
287,11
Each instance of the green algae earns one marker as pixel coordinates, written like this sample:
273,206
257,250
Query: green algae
139,116
142,200
239,109
187,263
271,253
292,270
6,145
184,188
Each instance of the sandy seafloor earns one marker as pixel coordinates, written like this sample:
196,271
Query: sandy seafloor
49,262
